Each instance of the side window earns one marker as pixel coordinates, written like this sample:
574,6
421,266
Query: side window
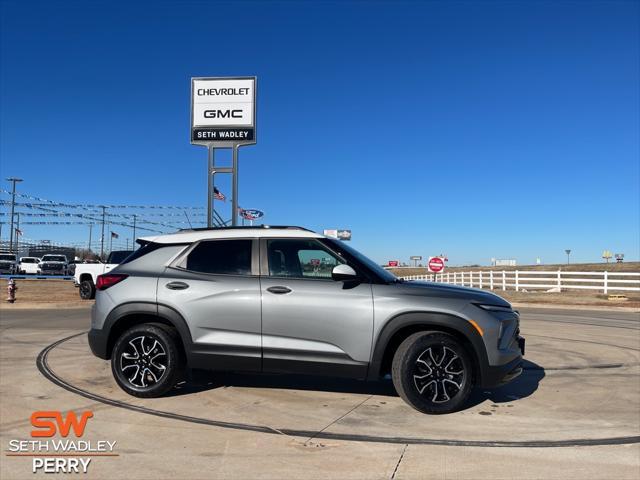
300,259
230,257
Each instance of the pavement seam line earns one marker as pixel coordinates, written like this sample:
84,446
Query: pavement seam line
338,419
395,470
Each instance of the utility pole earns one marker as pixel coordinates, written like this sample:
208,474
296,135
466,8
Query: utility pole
90,232
102,237
14,180
17,237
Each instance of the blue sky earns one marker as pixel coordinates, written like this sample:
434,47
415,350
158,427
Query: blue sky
476,129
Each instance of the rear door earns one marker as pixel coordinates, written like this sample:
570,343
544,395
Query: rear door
215,286
311,323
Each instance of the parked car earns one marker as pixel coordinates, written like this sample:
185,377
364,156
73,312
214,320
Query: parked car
86,274
29,266
54,264
8,263
257,299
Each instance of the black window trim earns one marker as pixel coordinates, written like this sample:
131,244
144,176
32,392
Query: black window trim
180,260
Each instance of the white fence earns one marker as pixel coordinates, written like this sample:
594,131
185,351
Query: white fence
555,281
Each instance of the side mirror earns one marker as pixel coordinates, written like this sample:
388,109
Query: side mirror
343,273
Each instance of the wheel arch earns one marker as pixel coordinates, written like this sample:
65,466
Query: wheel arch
85,276
128,315
401,326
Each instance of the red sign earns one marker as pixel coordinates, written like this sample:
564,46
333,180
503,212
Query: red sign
436,264
393,263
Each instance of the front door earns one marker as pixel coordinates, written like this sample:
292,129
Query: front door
311,323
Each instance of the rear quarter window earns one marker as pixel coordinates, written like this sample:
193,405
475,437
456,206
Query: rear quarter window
151,256
223,257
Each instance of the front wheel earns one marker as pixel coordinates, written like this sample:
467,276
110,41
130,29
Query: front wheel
432,372
146,360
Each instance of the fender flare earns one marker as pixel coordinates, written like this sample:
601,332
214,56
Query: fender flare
430,320
152,309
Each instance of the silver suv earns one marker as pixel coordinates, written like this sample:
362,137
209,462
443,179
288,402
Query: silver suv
288,300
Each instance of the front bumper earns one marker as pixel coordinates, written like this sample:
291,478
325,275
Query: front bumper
496,375
98,340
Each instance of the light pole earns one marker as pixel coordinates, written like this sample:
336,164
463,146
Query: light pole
568,252
14,180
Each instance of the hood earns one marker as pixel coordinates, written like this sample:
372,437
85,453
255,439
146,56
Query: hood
442,290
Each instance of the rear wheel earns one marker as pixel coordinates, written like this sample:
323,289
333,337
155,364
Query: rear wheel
432,372
146,360
87,290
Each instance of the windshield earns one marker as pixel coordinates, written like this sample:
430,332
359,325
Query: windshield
54,258
10,258
383,274
28,260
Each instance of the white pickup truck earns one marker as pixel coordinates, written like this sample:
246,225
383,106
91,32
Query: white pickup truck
87,273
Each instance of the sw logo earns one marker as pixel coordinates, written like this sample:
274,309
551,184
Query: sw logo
44,421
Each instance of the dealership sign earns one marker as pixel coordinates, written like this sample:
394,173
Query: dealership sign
251,214
393,263
223,111
435,264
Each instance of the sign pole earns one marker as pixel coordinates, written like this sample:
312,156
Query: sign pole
234,202
210,175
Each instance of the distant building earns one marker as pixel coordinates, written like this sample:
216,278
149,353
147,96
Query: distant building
505,262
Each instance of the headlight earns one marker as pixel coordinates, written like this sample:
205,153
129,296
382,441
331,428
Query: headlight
495,308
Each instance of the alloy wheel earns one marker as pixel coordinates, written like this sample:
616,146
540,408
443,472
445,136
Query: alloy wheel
143,361
439,374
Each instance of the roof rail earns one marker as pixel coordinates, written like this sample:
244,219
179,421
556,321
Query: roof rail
202,229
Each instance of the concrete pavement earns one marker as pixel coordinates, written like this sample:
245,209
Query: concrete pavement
582,384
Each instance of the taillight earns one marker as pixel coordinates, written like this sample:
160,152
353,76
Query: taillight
109,280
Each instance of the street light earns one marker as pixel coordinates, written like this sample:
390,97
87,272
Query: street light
568,252
14,180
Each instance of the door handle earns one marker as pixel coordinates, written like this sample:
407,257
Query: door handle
177,285
278,290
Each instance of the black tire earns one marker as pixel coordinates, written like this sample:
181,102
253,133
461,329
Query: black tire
421,377
87,290
143,376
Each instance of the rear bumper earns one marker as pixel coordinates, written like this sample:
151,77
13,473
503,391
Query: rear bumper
98,343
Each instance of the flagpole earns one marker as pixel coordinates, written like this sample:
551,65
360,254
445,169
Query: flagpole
111,242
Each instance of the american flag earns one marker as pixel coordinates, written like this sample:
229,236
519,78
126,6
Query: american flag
114,235
18,231
218,195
